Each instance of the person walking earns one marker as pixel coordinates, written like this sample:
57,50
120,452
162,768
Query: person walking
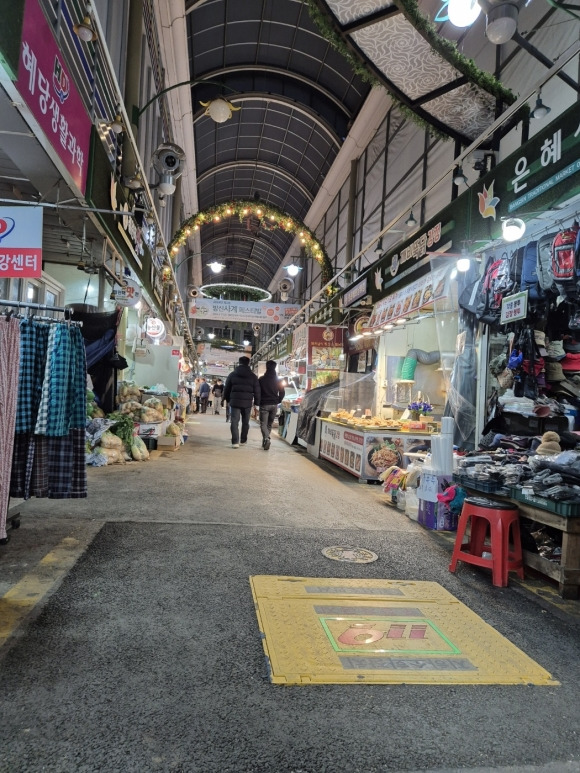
217,392
195,395
204,393
271,395
241,390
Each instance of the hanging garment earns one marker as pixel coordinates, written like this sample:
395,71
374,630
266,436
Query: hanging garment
33,349
49,459
9,367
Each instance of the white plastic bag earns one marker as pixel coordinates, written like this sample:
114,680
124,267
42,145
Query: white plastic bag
412,504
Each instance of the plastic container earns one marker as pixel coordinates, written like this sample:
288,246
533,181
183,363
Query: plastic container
566,509
485,486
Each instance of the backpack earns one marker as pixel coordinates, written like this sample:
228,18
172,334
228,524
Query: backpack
497,282
544,262
564,262
529,277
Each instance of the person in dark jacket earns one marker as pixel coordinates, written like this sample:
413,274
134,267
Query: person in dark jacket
271,395
204,393
217,391
241,390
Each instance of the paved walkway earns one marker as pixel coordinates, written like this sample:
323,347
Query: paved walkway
138,647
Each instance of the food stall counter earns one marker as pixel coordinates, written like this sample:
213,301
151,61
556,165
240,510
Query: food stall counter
367,451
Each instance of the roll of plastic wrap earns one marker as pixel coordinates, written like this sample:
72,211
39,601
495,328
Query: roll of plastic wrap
447,425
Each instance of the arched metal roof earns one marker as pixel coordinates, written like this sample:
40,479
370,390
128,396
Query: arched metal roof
298,98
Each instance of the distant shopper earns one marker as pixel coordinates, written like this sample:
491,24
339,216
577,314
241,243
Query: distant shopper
241,390
271,395
195,394
217,392
204,393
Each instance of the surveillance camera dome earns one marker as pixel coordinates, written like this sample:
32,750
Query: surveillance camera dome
168,159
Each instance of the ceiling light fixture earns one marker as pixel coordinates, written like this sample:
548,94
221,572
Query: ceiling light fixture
134,182
117,126
501,23
462,13
84,30
512,229
540,110
293,269
463,265
458,177
410,222
219,110
401,321
379,248
216,266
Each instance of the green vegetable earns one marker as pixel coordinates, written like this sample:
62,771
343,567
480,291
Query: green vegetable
123,428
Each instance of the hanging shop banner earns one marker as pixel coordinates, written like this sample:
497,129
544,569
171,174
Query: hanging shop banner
48,90
20,242
242,311
411,298
130,295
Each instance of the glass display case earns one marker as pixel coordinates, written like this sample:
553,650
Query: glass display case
355,437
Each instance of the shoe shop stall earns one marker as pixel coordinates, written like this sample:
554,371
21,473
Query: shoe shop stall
526,301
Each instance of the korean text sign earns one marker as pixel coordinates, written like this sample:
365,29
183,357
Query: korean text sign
20,242
46,87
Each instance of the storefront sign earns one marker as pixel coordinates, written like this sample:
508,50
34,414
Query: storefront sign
514,307
155,328
126,224
417,248
20,242
242,311
411,298
129,295
48,90
354,293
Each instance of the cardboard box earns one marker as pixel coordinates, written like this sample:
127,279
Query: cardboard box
436,516
431,484
168,442
151,430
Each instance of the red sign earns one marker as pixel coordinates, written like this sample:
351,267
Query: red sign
46,87
21,242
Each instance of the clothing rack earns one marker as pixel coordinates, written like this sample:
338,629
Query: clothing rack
66,310
13,514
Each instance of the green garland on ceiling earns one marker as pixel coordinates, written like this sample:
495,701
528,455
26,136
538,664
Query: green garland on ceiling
447,49
270,218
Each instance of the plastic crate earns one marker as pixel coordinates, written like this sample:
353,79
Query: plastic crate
566,509
485,487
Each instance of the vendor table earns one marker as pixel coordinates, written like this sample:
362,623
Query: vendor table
567,572
366,453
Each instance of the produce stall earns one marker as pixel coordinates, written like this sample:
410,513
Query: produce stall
366,451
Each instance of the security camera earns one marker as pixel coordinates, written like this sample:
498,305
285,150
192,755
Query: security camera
168,163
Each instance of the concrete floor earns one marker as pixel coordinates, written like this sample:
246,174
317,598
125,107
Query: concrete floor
141,651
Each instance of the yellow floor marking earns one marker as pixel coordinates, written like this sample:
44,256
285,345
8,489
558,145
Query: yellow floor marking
341,631
19,601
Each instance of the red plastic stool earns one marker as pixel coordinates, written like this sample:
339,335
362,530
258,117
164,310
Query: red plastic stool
499,516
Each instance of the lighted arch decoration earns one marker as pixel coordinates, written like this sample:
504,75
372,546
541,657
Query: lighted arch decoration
270,218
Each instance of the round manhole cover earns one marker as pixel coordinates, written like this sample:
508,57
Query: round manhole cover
349,554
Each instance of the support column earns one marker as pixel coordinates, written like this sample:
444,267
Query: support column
351,210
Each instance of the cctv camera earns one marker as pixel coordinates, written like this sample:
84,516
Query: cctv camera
168,159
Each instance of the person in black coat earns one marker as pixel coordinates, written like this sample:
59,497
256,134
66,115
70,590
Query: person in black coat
241,391
271,395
